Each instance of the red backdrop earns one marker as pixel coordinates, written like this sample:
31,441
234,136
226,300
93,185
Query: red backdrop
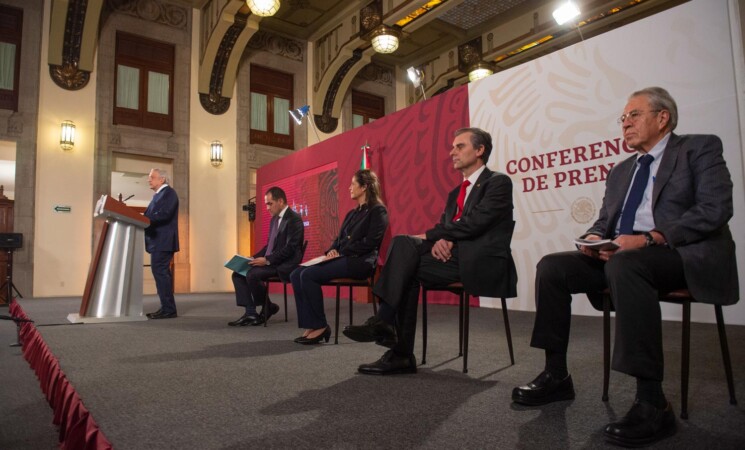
409,151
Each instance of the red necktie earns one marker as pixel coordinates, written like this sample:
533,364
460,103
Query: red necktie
461,199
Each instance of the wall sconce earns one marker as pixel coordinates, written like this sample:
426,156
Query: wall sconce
384,39
67,136
263,8
216,153
480,70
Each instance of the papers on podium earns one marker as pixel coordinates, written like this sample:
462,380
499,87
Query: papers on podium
602,244
239,264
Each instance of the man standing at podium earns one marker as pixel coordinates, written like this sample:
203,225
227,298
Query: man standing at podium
161,240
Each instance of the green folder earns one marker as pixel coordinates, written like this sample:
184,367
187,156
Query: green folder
239,264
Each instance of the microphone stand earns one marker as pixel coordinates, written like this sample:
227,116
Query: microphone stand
18,321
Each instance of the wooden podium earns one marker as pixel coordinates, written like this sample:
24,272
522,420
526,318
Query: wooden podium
113,291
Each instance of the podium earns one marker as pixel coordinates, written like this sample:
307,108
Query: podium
113,290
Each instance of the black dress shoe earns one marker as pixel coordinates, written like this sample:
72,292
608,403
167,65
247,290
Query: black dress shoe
244,320
544,389
163,315
642,425
373,330
261,318
149,315
390,364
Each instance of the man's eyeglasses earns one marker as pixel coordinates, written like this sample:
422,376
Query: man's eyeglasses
633,115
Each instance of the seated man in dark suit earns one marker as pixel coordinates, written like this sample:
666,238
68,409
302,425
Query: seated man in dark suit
280,256
471,244
670,224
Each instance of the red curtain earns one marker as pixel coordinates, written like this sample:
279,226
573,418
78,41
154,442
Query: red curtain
77,429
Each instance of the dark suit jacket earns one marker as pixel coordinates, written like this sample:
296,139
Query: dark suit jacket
162,233
691,205
288,248
360,236
483,236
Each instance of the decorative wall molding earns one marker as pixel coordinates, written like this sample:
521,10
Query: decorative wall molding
378,74
153,11
326,122
67,75
277,45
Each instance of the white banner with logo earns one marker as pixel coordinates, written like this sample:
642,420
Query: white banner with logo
554,124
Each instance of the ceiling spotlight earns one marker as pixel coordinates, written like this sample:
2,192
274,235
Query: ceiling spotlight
299,113
480,70
417,77
566,12
385,39
263,8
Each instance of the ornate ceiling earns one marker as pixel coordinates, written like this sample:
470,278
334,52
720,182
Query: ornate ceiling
446,38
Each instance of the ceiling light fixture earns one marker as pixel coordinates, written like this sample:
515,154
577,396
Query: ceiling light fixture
385,39
263,8
480,70
566,12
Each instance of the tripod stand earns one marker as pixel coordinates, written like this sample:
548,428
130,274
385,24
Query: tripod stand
18,321
8,285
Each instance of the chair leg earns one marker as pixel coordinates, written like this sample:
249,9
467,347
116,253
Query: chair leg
424,326
351,317
507,331
336,324
725,354
284,286
266,305
465,300
375,306
685,359
460,326
606,345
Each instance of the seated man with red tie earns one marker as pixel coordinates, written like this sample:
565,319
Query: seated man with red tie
471,244
280,256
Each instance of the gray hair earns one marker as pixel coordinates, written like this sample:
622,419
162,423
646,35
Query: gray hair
660,99
162,173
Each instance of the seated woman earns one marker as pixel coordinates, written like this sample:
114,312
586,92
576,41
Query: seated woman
351,255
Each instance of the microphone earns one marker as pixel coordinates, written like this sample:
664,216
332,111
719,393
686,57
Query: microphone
128,198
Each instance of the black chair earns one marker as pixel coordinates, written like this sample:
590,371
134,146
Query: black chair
684,298
277,279
463,322
351,283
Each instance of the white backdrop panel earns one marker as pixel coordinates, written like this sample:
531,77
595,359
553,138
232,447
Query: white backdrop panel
553,121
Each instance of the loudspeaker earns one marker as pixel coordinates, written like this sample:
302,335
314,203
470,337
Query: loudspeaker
11,240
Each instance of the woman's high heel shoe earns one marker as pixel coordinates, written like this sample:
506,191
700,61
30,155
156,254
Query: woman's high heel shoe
326,335
300,339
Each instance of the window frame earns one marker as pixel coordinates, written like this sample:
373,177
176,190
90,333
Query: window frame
369,106
272,83
146,55
11,32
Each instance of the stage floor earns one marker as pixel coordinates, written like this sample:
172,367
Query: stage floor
195,383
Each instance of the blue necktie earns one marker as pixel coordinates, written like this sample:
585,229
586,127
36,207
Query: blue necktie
273,229
635,195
